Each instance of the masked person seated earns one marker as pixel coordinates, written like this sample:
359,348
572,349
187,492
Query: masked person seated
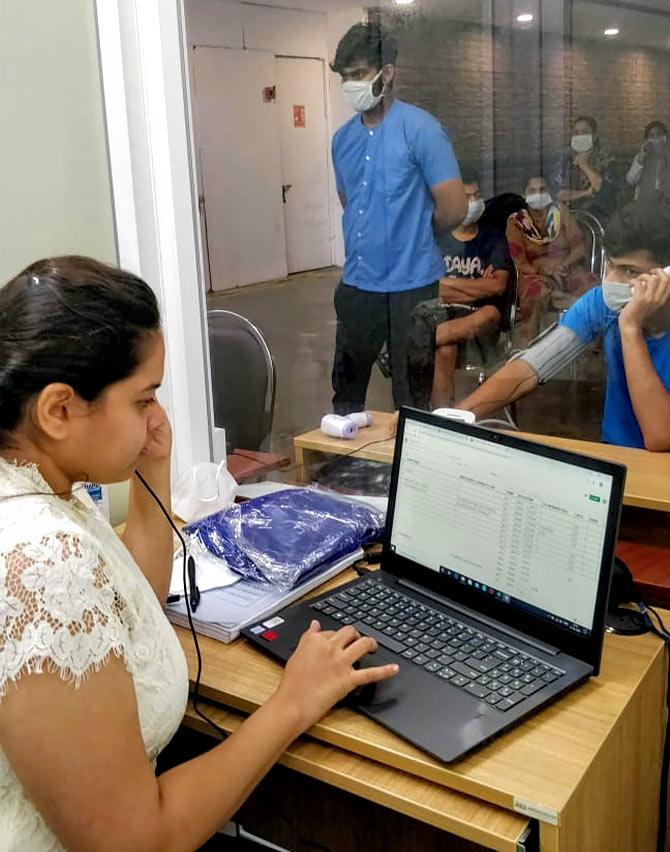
650,170
548,249
585,178
472,305
631,313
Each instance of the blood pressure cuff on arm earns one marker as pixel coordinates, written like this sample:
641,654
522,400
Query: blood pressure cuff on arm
553,350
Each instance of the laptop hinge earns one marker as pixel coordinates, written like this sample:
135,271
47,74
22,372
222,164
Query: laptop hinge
496,625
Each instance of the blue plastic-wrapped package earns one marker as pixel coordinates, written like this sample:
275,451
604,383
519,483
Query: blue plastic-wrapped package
283,536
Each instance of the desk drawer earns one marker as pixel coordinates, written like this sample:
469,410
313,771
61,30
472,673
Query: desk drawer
471,824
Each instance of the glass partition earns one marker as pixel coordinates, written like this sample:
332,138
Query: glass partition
554,111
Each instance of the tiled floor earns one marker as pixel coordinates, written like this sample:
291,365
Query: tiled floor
297,317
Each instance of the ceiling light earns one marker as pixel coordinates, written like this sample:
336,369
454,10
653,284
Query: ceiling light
612,31
403,2
525,18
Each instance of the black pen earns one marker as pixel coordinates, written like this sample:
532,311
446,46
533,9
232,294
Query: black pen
193,590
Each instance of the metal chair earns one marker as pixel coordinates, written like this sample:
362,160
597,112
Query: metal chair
594,236
478,356
243,380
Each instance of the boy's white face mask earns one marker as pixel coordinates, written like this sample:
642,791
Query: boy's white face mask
618,295
359,95
476,208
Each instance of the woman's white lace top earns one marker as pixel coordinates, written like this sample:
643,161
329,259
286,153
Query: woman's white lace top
70,596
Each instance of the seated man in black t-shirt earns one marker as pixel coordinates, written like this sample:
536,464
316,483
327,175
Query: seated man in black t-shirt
471,305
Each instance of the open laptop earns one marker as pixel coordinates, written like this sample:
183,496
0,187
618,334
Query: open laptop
493,586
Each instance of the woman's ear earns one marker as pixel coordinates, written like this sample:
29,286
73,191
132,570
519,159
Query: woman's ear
55,410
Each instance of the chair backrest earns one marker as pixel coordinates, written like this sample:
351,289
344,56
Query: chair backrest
478,355
594,237
508,319
243,380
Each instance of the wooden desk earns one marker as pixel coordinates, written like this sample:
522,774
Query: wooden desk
244,465
381,447
648,476
588,766
464,816
644,540
647,481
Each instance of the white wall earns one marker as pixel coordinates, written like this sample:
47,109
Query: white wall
214,23
142,50
338,113
55,195
285,32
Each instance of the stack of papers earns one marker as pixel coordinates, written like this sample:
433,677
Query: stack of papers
235,603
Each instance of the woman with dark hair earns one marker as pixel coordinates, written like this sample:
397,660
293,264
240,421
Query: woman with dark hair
650,170
584,179
93,681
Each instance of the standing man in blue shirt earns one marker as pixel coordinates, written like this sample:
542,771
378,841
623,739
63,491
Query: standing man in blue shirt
398,181
631,313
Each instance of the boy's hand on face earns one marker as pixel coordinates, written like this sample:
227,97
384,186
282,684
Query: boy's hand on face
650,293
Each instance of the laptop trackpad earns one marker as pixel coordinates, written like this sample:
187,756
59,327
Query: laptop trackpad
380,693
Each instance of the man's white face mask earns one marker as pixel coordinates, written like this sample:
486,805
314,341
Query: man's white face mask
617,296
359,95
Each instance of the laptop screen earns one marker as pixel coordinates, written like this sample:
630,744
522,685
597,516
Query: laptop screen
526,529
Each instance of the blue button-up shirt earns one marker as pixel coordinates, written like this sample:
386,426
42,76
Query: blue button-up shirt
386,173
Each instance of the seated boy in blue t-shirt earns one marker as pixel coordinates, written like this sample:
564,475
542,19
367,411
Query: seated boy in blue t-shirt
631,313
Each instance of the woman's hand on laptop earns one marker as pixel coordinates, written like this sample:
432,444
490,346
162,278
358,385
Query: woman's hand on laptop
321,671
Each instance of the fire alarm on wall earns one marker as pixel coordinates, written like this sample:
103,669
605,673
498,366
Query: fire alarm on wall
298,115
269,94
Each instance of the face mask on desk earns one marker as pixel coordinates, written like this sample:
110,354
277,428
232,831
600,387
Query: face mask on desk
359,95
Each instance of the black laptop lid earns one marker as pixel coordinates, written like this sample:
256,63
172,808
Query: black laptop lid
519,531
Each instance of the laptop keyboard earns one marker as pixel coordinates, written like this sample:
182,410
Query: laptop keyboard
467,658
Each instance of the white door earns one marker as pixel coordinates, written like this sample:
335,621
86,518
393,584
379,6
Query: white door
237,136
304,155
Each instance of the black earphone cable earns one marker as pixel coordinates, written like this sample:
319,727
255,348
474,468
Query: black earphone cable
190,593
